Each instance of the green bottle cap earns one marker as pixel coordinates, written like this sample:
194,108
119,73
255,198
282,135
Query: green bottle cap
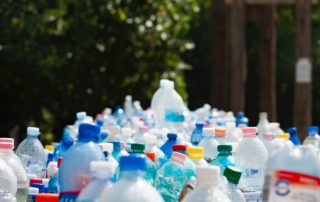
232,174
224,148
137,148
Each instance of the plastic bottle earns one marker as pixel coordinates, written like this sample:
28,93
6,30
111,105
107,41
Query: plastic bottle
233,176
196,135
138,110
196,155
220,135
131,187
81,116
7,197
32,192
151,146
63,146
207,188
151,167
8,180
232,134
128,106
294,136
107,149
166,148
313,137
263,124
126,136
267,139
209,144
251,158
102,173
31,153
74,172
224,157
139,136
7,154
118,151
293,175
242,120
189,166
52,171
171,178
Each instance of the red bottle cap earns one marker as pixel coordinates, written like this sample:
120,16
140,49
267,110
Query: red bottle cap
35,180
151,155
47,197
179,147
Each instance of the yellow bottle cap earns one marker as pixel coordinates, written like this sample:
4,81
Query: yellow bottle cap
285,136
49,147
195,152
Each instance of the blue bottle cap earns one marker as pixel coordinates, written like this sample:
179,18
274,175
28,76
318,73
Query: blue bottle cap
99,122
133,163
39,186
172,136
116,145
88,131
199,124
292,130
313,130
68,140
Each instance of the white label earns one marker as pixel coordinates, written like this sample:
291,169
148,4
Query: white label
303,71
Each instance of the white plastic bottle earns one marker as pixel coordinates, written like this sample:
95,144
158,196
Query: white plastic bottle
163,83
8,180
207,188
209,144
128,106
232,134
31,153
251,158
263,124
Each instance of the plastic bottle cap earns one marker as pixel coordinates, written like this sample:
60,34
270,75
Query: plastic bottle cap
101,166
33,191
106,147
127,132
128,97
87,130
52,168
116,145
81,115
199,124
195,152
39,186
46,197
138,147
5,139
49,148
268,136
292,130
150,139
35,180
208,175
179,147
172,136
68,140
99,122
232,174
178,158
6,145
143,129
249,131
225,148
133,163
33,131
220,131
164,82
151,155
59,161
263,115
285,136
274,126
208,131
313,130
230,125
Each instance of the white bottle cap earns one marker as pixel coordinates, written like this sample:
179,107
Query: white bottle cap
33,131
128,98
33,191
263,115
104,168
208,131
208,175
164,82
52,168
105,146
81,115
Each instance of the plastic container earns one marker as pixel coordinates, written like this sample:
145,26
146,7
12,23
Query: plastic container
294,136
209,144
224,157
166,148
189,165
151,146
196,135
66,142
313,137
263,124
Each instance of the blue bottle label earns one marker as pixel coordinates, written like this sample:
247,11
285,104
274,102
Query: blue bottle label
172,116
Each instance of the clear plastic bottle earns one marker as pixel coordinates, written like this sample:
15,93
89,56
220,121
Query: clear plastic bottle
251,158
233,176
171,178
8,180
313,137
220,135
189,166
139,136
209,144
196,155
131,187
102,173
151,146
224,157
128,106
31,153
232,134
166,148
263,124
207,188
196,135
74,171
7,154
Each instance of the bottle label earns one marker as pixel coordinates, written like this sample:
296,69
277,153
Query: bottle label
173,116
68,196
287,186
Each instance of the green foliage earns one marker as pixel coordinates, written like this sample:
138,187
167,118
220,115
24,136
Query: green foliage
59,57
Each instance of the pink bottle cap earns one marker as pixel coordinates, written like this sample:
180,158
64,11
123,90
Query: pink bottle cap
178,158
249,131
6,145
6,139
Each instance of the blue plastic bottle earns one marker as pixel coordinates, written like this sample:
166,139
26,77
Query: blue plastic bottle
197,135
74,172
224,157
62,148
167,146
242,120
171,178
294,138
131,187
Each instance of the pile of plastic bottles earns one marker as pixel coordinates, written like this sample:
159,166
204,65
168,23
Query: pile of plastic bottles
165,153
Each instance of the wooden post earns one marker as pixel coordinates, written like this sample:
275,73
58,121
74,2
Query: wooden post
237,57
220,68
268,61
302,92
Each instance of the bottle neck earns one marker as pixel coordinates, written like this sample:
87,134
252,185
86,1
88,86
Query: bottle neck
132,175
224,153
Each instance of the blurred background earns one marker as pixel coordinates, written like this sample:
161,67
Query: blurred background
64,56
